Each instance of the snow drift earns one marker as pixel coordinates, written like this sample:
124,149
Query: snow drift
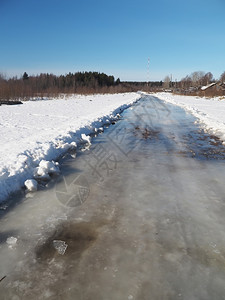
35,134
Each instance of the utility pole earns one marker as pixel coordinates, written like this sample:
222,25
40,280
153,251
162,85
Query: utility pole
148,73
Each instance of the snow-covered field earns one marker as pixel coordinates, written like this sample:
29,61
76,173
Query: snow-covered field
35,134
209,111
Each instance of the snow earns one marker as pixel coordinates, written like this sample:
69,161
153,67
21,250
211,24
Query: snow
209,111
86,138
46,168
34,134
11,241
203,88
31,185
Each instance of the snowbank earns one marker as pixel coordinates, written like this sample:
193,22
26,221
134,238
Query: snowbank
38,132
209,111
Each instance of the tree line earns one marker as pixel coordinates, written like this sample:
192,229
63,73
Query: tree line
51,85
194,80
46,84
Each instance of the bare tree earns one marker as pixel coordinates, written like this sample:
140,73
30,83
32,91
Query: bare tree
185,83
197,77
207,79
222,77
166,82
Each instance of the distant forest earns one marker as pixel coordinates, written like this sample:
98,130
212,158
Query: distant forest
51,85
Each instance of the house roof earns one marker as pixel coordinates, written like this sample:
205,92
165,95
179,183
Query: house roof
203,88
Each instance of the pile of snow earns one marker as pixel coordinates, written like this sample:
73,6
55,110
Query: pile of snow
35,134
209,111
46,168
31,185
11,241
86,138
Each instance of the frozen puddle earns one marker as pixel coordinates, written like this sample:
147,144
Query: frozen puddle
140,215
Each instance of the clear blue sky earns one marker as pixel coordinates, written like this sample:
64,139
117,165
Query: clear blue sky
115,37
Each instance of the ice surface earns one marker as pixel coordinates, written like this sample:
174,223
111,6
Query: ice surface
210,111
153,228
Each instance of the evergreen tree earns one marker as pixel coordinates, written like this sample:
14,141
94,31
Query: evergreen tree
25,76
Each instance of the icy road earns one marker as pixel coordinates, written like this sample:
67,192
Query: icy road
139,215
